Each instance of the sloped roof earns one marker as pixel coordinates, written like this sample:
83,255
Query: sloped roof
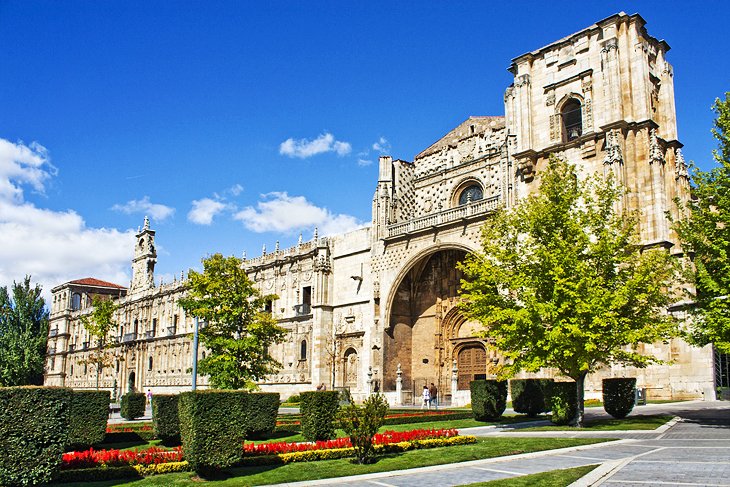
90,281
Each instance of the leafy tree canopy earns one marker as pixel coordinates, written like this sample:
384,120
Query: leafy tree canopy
561,281
98,324
705,234
238,332
23,334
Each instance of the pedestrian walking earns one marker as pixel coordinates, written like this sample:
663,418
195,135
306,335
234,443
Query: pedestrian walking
426,398
433,393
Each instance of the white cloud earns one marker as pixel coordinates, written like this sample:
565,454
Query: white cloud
364,162
23,164
51,246
382,145
204,210
279,212
304,148
236,189
155,211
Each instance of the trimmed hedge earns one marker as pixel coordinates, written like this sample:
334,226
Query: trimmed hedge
34,425
132,405
319,412
564,398
450,416
488,399
89,415
213,427
165,420
531,396
619,396
262,412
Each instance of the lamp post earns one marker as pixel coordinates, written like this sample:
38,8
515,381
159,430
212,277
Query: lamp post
195,354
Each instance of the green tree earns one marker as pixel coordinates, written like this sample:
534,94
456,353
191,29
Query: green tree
98,324
23,334
362,423
238,332
562,283
705,235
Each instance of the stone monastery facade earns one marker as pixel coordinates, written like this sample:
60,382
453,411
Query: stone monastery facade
376,309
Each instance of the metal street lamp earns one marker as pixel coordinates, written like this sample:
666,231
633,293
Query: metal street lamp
195,355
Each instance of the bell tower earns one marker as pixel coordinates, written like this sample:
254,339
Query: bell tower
145,258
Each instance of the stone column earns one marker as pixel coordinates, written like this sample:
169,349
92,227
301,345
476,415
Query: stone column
454,381
399,387
370,380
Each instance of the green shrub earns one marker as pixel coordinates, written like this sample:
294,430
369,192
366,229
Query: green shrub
34,425
213,427
319,411
530,396
619,396
165,421
362,423
420,418
89,414
132,405
564,400
293,399
488,399
262,413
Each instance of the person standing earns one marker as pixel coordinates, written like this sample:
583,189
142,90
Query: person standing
426,398
433,393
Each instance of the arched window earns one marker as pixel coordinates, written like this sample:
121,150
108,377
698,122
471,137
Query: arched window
472,192
303,350
149,364
76,302
572,117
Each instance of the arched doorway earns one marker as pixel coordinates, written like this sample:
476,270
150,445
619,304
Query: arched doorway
415,337
472,364
130,382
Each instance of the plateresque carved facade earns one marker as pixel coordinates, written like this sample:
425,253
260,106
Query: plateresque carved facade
375,309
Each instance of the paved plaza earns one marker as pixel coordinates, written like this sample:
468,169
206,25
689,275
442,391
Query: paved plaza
693,450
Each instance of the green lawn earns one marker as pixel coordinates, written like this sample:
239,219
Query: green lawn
484,448
630,423
556,478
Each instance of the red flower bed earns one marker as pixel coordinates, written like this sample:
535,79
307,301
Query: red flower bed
117,458
379,439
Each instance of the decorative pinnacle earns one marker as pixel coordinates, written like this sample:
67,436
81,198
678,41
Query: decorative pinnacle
276,248
146,223
299,242
316,234
263,249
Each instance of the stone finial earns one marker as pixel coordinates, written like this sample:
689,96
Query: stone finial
299,241
680,170
276,247
182,275
161,282
263,249
655,151
243,255
146,223
316,235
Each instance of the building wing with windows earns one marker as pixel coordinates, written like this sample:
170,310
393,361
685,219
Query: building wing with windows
377,308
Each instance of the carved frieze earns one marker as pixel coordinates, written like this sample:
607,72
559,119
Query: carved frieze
613,149
656,154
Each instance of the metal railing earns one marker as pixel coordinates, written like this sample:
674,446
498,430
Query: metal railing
53,332
473,208
71,347
129,337
302,309
149,334
85,345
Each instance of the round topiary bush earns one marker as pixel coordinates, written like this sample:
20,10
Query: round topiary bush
563,402
488,399
619,396
530,396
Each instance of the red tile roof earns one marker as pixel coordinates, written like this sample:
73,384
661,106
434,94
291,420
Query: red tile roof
90,281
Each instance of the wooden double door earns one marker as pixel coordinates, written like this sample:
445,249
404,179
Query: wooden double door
472,364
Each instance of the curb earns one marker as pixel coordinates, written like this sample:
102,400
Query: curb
449,466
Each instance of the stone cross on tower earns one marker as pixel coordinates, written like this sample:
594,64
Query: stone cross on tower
145,258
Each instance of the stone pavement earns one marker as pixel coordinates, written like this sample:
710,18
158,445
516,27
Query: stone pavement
692,451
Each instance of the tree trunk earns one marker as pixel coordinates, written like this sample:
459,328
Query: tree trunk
579,395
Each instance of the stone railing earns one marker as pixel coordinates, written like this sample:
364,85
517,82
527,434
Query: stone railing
272,256
446,216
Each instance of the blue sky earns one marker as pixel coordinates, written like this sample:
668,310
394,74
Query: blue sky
237,124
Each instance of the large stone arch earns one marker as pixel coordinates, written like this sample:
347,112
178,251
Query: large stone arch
424,292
